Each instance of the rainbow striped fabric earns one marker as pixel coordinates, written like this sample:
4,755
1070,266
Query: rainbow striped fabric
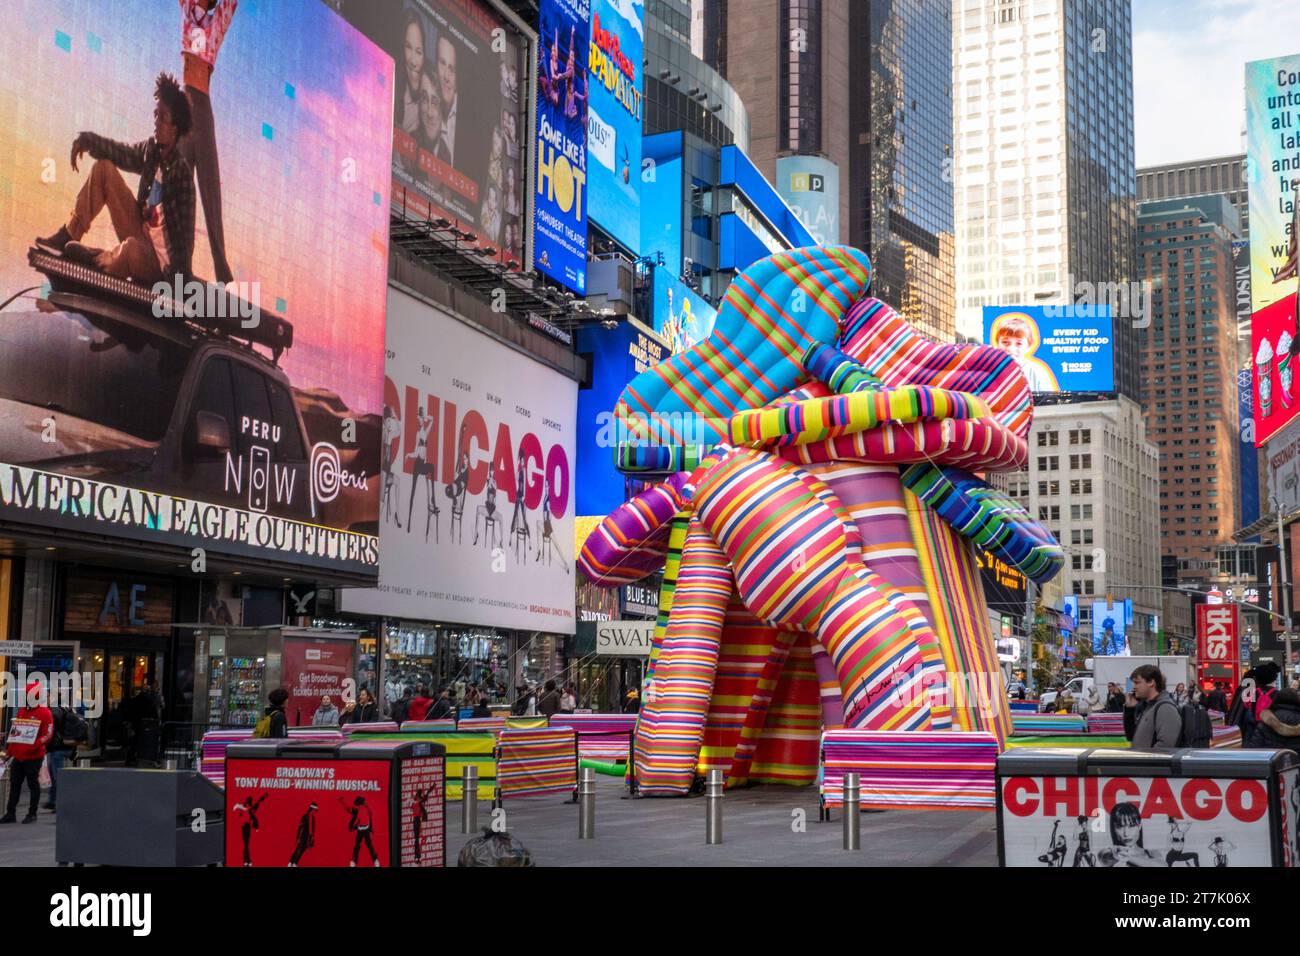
1228,738
464,749
1048,724
808,582
1106,723
533,762
212,748
922,769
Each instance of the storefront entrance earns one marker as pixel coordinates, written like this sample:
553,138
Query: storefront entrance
129,704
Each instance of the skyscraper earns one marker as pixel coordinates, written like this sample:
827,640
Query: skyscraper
863,85
1044,166
1189,381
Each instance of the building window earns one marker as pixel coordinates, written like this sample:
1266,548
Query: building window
799,50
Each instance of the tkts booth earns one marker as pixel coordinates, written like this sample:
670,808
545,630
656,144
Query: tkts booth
360,803
1090,807
1217,643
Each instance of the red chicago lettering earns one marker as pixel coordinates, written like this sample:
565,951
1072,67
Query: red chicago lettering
531,450
473,431
1011,796
557,472
1111,793
1236,796
1091,800
1194,806
1061,796
503,463
1160,799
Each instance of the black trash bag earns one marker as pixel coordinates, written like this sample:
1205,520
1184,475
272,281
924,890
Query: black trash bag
494,849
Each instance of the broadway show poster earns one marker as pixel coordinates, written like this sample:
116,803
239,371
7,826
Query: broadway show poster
1273,362
563,85
285,812
1136,822
476,523
313,669
614,118
252,430
423,835
460,115
682,316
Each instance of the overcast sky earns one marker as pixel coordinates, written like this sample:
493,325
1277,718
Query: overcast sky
1188,59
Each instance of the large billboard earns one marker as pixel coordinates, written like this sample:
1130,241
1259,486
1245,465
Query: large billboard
1064,348
1248,454
618,355
614,118
1273,175
460,115
560,184
810,186
252,429
683,318
478,498
1110,628
661,190
1282,458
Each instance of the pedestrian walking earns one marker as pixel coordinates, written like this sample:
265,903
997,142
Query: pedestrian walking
274,723
548,705
1278,727
1148,723
29,733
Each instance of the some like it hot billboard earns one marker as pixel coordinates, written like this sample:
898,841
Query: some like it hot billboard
155,150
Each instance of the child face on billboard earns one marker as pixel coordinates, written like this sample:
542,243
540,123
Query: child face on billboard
1016,340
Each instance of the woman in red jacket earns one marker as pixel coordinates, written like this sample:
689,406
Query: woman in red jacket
29,732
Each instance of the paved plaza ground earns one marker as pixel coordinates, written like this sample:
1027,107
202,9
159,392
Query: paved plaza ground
758,829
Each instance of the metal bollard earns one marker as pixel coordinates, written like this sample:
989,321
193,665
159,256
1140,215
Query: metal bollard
713,808
469,800
852,812
586,804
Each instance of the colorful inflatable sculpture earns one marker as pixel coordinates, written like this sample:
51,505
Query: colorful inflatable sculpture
816,515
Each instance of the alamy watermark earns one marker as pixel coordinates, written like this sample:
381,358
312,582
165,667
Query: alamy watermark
208,300
82,690
1127,300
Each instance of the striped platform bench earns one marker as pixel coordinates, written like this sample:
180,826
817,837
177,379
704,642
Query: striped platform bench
930,770
212,761
1106,723
1022,724
1024,706
1105,741
600,736
1226,738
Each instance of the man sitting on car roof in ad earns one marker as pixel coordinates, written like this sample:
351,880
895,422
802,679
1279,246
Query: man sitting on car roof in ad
155,227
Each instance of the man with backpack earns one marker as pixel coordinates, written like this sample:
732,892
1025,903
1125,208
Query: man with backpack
69,731
1152,721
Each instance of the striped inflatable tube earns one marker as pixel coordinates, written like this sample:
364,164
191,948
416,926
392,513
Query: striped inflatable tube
994,521
632,540
670,728
786,751
772,313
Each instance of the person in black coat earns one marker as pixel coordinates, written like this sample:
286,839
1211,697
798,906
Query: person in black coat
1217,699
363,710
1278,727
279,722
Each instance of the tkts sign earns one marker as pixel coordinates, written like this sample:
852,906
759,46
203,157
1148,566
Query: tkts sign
1216,632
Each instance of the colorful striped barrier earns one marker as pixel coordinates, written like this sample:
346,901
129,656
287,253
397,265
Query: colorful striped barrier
439,726
533,762
1022,724
930,770
1024,706
370,727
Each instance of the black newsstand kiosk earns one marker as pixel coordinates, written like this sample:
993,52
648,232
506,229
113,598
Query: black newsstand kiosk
1078,806
350,804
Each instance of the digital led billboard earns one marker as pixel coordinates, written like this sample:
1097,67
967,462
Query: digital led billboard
136,400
